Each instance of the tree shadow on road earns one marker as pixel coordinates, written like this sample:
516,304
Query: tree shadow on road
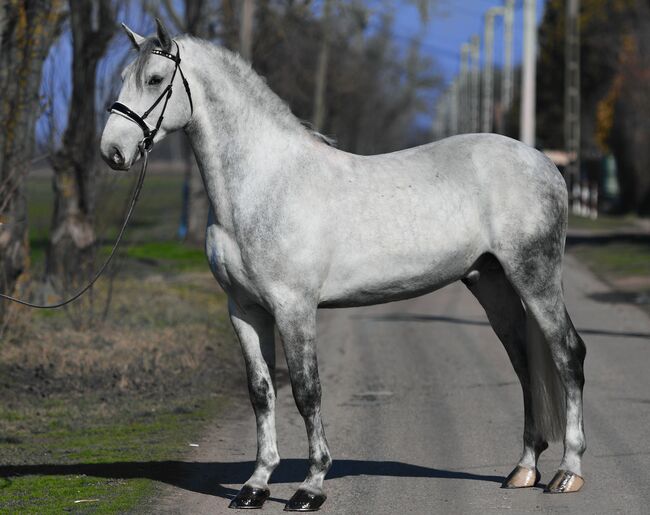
209,477
415,317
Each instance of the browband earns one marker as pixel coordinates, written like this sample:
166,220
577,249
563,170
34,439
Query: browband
173,57
149,131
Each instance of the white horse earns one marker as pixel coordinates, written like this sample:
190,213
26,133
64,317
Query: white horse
301,225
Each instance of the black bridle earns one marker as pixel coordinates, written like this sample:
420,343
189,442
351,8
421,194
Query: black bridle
149,131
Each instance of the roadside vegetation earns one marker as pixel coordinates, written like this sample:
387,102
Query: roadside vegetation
616,249
94,398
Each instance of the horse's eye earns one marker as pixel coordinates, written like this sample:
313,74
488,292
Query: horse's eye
154,81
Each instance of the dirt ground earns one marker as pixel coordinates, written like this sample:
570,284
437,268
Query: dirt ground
125,378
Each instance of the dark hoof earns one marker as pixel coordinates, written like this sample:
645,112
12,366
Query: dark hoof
303,500
564,482
521,477
250,498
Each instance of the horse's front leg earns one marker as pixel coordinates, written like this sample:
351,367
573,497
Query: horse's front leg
255,329
297,327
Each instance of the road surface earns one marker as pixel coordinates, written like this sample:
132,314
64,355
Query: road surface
423,414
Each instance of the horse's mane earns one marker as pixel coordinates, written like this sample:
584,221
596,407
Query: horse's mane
238,70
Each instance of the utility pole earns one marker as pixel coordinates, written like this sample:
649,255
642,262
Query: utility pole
475,52
453,109
572,101
506,76
528,93
464,96
246,29
440,124
488,68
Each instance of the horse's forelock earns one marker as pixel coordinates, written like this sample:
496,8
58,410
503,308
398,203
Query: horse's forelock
144,55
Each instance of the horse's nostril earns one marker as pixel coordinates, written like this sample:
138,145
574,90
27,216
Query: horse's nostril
117,156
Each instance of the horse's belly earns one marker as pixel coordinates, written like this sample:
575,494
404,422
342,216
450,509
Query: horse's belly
387,278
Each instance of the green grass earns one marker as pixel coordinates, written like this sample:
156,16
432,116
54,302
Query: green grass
616,259
53,495
109,463
602,223
156,215
617,250
104,414
171,255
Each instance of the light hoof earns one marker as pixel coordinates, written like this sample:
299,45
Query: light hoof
564,482
521,477
303,500
250,498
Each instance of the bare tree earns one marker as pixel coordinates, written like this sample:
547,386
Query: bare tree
28,29
321,68
92,24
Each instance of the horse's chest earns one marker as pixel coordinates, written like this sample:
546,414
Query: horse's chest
225,259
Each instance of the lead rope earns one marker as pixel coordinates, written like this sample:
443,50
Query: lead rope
136,195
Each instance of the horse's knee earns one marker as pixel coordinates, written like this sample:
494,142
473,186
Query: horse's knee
261,393
308,397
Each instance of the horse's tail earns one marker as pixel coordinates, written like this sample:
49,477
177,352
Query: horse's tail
547,391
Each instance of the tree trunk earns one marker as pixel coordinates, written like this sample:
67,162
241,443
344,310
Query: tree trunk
3,21
229,33
28,29
196,207
72,236
318,117
630,131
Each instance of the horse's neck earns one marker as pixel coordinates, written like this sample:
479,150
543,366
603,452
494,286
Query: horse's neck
236,140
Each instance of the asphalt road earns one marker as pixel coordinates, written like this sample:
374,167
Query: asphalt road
423,414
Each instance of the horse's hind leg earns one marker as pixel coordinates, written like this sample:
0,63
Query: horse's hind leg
556,359
297,326
255,329
568,353
508,319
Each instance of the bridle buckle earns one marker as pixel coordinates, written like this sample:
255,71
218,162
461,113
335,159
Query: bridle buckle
146,144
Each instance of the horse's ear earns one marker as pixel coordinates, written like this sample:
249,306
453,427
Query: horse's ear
136,39
163,36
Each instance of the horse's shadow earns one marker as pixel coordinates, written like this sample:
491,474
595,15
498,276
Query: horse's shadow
209,477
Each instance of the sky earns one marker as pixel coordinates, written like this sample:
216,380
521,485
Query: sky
451,23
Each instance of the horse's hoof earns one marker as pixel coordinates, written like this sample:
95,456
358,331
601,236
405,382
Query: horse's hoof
564,482
521,477
303,500
250,498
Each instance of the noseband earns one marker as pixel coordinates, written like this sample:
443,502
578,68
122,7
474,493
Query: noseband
149,131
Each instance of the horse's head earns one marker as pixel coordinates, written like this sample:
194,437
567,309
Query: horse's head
146,109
